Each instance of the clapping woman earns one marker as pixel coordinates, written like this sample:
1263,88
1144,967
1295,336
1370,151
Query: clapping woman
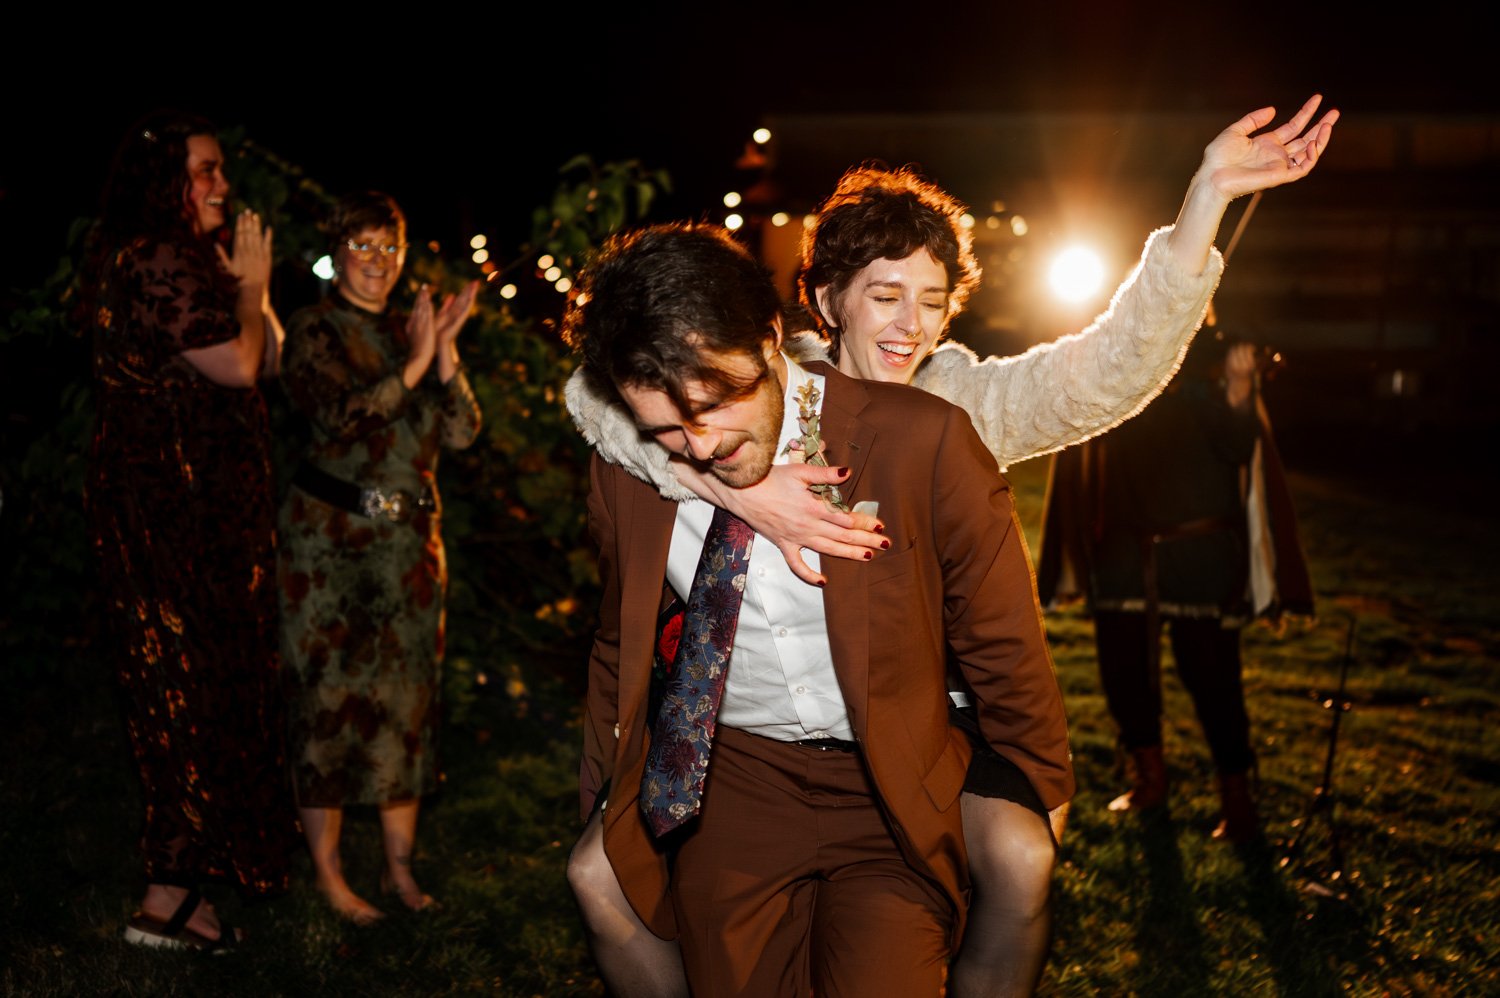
181,518
362,571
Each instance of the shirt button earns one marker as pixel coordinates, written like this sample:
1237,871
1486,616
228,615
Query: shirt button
800,690
781,632
761,572
617,731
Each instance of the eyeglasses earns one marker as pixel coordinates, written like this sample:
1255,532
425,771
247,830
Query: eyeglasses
368,251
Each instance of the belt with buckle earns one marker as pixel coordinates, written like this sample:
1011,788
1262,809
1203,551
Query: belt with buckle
396,505
829,744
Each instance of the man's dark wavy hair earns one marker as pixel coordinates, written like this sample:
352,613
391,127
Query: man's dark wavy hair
881,214
657,304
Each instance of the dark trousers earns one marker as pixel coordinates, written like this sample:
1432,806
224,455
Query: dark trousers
1208,663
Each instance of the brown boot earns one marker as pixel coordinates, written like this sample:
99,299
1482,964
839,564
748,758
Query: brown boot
1149,788
1241,820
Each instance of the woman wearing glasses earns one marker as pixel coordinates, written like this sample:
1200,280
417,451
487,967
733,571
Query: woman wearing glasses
362,572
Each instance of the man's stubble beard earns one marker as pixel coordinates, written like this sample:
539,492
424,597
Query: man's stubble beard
752,468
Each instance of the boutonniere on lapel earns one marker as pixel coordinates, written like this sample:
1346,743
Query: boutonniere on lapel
808,449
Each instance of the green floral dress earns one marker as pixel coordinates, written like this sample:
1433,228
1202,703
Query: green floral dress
362,597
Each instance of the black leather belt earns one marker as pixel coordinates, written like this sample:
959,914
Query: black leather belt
396,505
829,744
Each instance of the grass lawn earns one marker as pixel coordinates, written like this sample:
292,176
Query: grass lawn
1143,908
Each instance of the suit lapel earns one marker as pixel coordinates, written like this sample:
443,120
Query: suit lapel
644,567
846,601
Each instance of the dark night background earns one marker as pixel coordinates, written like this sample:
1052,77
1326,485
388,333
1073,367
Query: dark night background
465,114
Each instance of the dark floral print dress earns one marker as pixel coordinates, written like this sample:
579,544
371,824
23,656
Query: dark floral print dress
182,520
362,597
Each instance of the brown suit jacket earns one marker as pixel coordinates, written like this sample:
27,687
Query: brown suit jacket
957,576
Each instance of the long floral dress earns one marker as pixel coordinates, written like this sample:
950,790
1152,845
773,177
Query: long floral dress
362,597
181,518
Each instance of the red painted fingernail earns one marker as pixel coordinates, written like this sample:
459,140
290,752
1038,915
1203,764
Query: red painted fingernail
822,583
869,555
880,528
885,545
843,471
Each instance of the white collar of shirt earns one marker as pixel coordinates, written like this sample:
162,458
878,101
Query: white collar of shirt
781,682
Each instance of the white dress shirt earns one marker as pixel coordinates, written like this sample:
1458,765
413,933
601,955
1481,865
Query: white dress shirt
781,682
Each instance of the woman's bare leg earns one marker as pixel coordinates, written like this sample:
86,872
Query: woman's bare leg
322,826
633,961
1011,855
398,829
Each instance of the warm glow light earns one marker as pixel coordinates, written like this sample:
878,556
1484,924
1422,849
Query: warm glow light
552,273
563,284
481,255
545,261
761,135
808,221
507,291
1018,225
324,268
780,218
488,266
732,222
732,199
478,242
992,222
966,220
1076,274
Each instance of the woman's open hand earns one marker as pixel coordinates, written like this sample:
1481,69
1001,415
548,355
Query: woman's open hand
453,313
1238,161
251,262
781,509
421,334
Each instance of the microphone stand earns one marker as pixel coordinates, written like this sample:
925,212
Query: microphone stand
1322,800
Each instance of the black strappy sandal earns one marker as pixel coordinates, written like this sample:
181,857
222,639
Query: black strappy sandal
144,930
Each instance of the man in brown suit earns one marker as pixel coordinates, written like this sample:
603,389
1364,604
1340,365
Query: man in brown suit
828,855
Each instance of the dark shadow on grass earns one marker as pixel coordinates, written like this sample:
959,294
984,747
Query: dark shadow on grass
1296,941
1168,936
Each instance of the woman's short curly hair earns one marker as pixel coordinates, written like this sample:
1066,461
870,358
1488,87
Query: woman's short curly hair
881,214
354,213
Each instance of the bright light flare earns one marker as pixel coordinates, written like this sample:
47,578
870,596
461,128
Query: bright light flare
732,199
552,273
966,220
780,218
481,255
761,135
507,291
563,285
478,242
733,222
324,268
545,261
1076,274
1018,225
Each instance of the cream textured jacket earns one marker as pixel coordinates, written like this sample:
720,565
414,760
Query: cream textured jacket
1050,397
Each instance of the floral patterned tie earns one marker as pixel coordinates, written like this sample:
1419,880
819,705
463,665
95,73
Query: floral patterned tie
672,784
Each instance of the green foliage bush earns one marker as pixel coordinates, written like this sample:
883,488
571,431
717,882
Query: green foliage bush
521,567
